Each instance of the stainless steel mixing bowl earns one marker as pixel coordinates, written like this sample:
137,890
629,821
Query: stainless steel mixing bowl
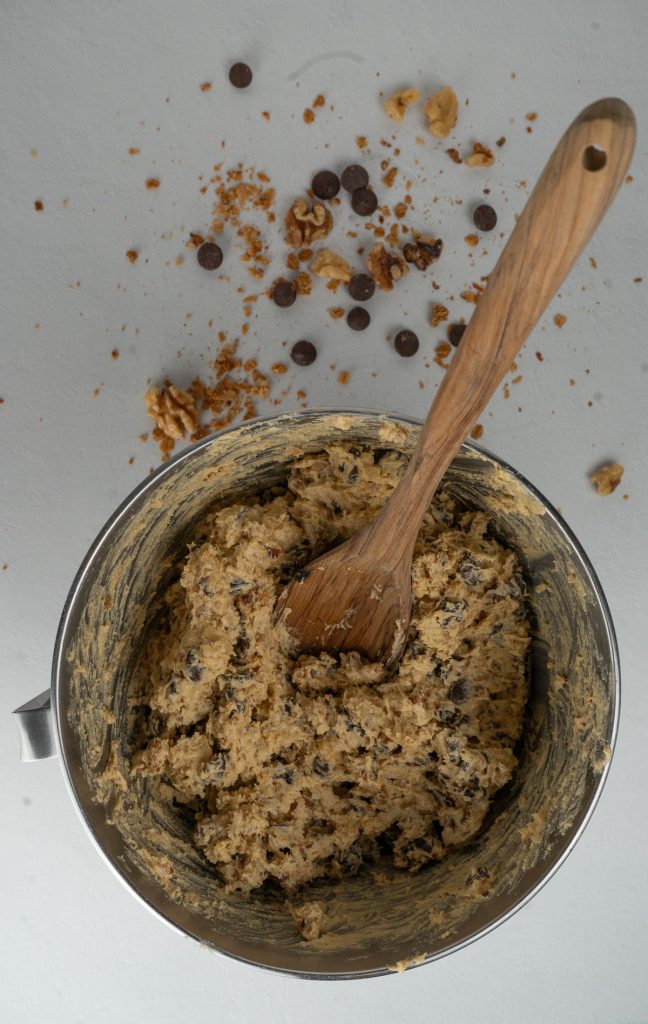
373,927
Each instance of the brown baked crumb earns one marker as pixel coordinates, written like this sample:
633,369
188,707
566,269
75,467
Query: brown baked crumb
441,112
390,177
439,315
385,267
454,155
319,101
361,141
133,151
336,312
114,354
305,224
500,142
303,282
152,183
531,117
265,114
477,431
539,357
593,263
396,105
472,240
308,115
205,86
132,255
481,156
441,352
38,205
607,478
560,320
470,296
279,368
329,264
292,261
344,377
400,210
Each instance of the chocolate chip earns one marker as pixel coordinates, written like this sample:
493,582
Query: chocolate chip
458,691
284,293
358,318
240,75
354,177
303,353
485,218
325,185
456,333
406,343
364,201
210,256
361,287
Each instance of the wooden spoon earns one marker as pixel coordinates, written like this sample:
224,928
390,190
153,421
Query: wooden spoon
357,597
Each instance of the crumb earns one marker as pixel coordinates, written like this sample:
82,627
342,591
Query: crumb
265,114
344,377
132,255
472,240
308,919
336,312
607,478
152,183
396,105
441,352
279,368
531,117
477,431
133,151
308,115
439,315
385,267
390,177
454,155
205,86
500,142
560,320
319,101
303,282
361,141
593,263
637,280
629,179
38,205
114,354
441,112
539,356
481,156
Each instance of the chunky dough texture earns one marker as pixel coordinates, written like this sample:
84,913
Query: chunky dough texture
298,766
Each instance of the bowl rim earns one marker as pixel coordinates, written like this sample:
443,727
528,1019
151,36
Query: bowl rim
150,483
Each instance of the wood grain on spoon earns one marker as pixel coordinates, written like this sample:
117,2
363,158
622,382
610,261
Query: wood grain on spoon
358,596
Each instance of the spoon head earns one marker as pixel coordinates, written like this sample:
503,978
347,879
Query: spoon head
344,602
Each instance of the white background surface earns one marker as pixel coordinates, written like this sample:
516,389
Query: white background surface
83,82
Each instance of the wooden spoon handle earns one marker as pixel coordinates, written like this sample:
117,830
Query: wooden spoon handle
571,197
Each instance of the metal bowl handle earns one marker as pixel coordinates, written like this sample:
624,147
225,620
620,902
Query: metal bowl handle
34,720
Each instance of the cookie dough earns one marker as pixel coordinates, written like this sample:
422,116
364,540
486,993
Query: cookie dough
293,767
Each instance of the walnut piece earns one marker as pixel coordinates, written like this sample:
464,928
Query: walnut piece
396,106
303,283
385,267
441,112
481,156
328,264
439,315
422,252
607,478
173,410
305,225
